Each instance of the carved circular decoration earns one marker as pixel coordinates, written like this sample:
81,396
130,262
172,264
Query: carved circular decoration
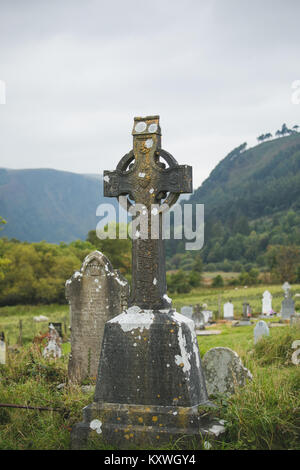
149,143
128,160
152,127
140,127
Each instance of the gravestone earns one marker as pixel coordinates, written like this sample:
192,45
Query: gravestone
267,303
224,371
199,321
208,315
58,327
96,294
228,311
2,349
261,329
245,321
53,348
246,311
187,311
288,304
150,382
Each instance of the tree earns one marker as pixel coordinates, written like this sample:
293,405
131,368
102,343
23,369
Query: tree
118,250
296,127
218,281
2,222
283,262
198,264
178,282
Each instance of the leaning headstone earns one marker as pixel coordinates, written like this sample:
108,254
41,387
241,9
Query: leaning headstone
228,311
224,371
2,349
53,348
187,311
267,303
261,329
150,383
96,294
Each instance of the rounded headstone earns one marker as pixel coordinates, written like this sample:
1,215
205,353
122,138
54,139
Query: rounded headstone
224,371
261,329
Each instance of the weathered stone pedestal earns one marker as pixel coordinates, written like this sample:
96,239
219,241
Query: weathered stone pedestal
150,383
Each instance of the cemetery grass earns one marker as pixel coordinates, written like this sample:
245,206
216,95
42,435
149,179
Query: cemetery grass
265,414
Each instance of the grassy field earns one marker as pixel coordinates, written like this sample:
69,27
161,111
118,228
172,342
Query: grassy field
239,295
265,414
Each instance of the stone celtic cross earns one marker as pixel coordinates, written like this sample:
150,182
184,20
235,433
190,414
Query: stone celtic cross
148,181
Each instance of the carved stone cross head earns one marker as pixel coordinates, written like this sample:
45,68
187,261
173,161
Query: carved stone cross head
142,175
146,180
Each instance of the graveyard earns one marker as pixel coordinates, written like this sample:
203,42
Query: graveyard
263,414
124,366
149,228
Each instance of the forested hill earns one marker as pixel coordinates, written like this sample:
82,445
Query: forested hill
253,183
252,205
51,205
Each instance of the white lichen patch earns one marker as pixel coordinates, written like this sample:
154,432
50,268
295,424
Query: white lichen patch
167,299
77,275
155,281
216,429
122,283
183,360
151,191
142,175
106,178
154,211
96,425
149,143
134,318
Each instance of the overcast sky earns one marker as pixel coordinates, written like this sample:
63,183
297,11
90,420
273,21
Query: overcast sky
218,72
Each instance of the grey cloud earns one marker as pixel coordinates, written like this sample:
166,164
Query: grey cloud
218,72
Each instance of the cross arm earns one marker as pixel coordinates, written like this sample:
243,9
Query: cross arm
115,183
178,179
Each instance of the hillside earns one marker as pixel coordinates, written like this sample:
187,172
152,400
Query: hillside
252,203
260,181
51,205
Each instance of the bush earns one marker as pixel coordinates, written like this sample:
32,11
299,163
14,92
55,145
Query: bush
218,281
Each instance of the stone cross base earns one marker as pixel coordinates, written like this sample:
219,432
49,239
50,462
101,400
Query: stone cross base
125,426
150,383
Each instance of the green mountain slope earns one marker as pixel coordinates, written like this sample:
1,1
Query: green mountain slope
251,204
260,181
51,205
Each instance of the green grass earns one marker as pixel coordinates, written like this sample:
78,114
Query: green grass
10,317
265,414
239,295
